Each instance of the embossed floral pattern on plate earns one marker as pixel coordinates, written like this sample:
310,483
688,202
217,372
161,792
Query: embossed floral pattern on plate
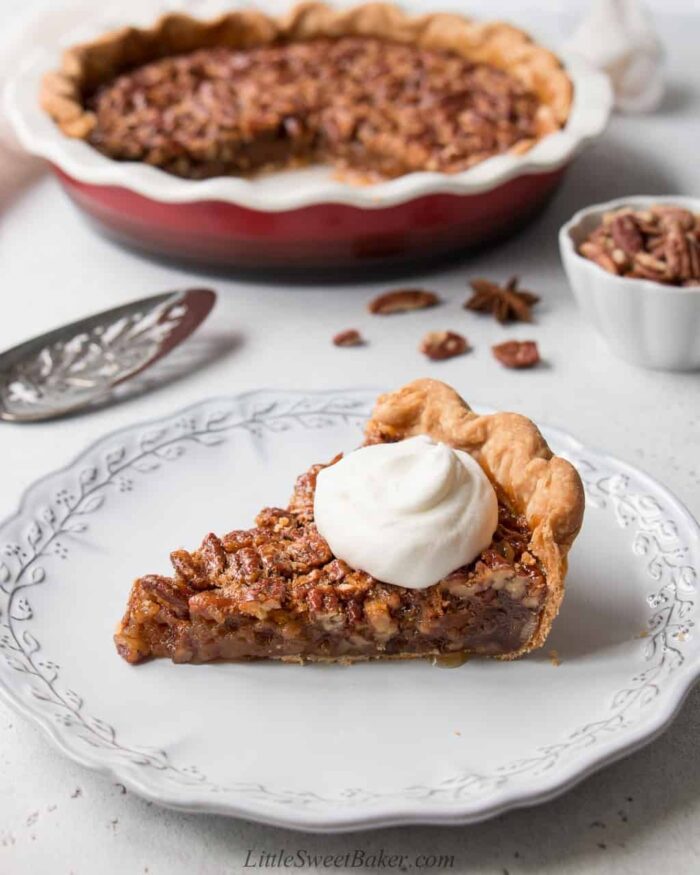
626,680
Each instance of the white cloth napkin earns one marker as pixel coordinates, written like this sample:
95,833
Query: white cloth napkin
618,36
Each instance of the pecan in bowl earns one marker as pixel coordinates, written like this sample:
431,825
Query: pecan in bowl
660,242
633,265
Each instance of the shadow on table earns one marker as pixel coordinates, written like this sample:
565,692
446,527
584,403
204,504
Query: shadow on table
677,98
586,627
195,354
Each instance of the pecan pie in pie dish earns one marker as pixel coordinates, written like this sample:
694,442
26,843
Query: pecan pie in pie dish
277,591
370,89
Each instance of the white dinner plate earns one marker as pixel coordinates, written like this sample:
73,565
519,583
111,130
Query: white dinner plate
325,747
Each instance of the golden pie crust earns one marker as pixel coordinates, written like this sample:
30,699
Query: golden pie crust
544,488
86,67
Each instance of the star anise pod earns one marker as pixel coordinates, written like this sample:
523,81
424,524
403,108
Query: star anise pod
507,303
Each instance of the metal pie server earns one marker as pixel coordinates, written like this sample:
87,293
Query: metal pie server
75,365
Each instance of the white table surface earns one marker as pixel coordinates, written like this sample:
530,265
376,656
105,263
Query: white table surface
639,815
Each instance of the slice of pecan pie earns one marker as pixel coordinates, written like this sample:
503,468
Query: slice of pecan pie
371,89
277,591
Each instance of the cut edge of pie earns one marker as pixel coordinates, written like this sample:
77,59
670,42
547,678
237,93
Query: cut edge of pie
87,66
277,591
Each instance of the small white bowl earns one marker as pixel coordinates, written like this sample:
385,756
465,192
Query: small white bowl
645,322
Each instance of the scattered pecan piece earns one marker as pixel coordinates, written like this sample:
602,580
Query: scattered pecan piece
403,300
351,337
439,345
517,353
661,243
507,303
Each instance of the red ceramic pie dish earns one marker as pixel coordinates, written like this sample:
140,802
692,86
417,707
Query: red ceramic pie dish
307,219
324,235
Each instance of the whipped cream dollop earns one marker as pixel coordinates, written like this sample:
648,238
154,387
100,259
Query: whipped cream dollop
408,513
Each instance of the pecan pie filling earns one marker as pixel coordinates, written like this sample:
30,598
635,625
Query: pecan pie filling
363,104
277,591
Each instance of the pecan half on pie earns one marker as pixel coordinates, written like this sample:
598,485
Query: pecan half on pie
368,89
277,591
